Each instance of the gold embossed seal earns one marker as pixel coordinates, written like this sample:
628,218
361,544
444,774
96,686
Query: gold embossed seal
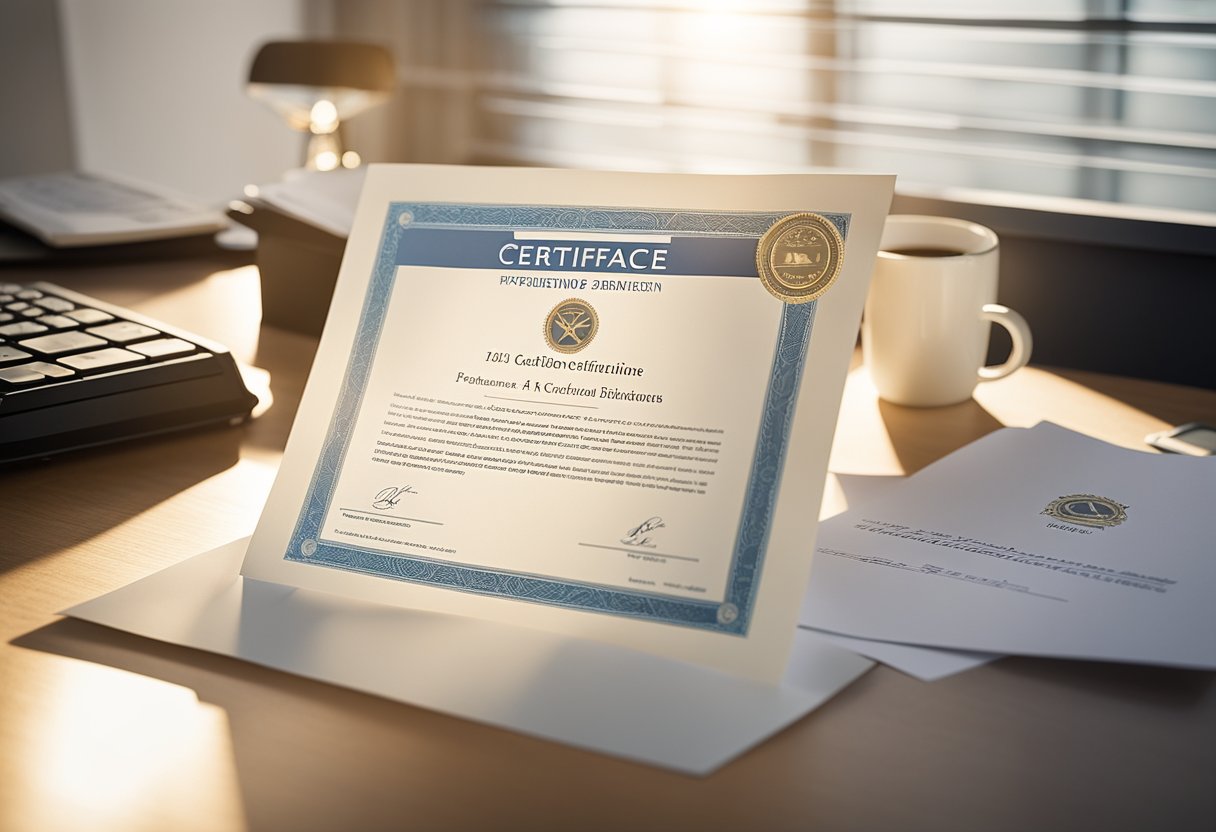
1087,510
571,325
799,258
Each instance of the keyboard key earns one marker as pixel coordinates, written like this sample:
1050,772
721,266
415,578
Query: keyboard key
17,306
120,332
29,294
10,288
163,347
58,322
50,370
32,312
61,342
55,304
101,359
5,317
32,372
9,354
22,328
7,298
19,374
89,316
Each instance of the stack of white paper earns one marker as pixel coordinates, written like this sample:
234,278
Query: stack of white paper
1033,541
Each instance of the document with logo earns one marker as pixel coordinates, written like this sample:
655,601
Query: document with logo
1035,541
597,404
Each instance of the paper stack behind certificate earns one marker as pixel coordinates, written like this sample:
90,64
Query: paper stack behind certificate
1033,541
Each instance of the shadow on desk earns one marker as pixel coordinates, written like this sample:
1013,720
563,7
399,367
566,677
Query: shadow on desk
1164,687
921,435
85,493
1107,407
1170,403
287,357
307,755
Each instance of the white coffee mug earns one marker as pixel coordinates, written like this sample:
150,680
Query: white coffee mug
925,330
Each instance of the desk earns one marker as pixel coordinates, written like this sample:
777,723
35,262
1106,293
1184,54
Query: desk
101,730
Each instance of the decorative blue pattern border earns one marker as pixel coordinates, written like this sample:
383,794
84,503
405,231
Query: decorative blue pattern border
731,616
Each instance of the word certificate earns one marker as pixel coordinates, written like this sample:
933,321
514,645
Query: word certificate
574,410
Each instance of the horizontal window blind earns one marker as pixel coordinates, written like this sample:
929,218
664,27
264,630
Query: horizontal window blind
1106,101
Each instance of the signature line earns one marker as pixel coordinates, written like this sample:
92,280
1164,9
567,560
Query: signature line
534,401
390,514
643,551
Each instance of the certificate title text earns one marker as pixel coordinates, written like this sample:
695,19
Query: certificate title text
624,257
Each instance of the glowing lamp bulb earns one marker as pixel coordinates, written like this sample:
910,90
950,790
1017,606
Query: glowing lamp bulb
323,118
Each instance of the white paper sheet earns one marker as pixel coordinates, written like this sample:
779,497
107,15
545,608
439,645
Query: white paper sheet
455,452
925,663
1033,541
586,694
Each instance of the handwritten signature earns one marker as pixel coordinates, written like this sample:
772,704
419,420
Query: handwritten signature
388,498
639,534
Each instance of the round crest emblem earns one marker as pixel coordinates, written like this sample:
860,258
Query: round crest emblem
1087,510
571,325
728,613
799,258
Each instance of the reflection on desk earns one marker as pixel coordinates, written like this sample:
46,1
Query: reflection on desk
103,730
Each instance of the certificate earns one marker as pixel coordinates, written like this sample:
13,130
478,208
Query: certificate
543,398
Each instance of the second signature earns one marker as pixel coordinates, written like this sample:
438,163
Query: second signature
387,498
639,535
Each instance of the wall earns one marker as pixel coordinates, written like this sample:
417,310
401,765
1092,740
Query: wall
157,91
37,132
151,90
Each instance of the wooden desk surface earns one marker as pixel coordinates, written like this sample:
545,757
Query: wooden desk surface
101,730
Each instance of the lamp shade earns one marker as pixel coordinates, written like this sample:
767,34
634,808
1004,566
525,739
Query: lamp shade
315,85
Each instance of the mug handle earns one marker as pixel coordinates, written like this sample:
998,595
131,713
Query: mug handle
1019,334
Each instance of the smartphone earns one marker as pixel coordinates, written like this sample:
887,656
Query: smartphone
1193,438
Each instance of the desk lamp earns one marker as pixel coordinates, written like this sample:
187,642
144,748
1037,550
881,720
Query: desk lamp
315,85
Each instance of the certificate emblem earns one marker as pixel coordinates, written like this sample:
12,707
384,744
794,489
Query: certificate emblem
799,258
571,325
1087,510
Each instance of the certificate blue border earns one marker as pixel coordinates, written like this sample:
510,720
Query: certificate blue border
733,614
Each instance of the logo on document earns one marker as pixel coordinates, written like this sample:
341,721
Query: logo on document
571,325
1087,510
799,258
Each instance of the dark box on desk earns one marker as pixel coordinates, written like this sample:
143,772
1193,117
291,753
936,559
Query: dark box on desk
298,263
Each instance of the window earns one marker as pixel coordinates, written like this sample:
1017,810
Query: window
1112,101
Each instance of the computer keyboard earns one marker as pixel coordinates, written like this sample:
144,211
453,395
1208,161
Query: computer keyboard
76,372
